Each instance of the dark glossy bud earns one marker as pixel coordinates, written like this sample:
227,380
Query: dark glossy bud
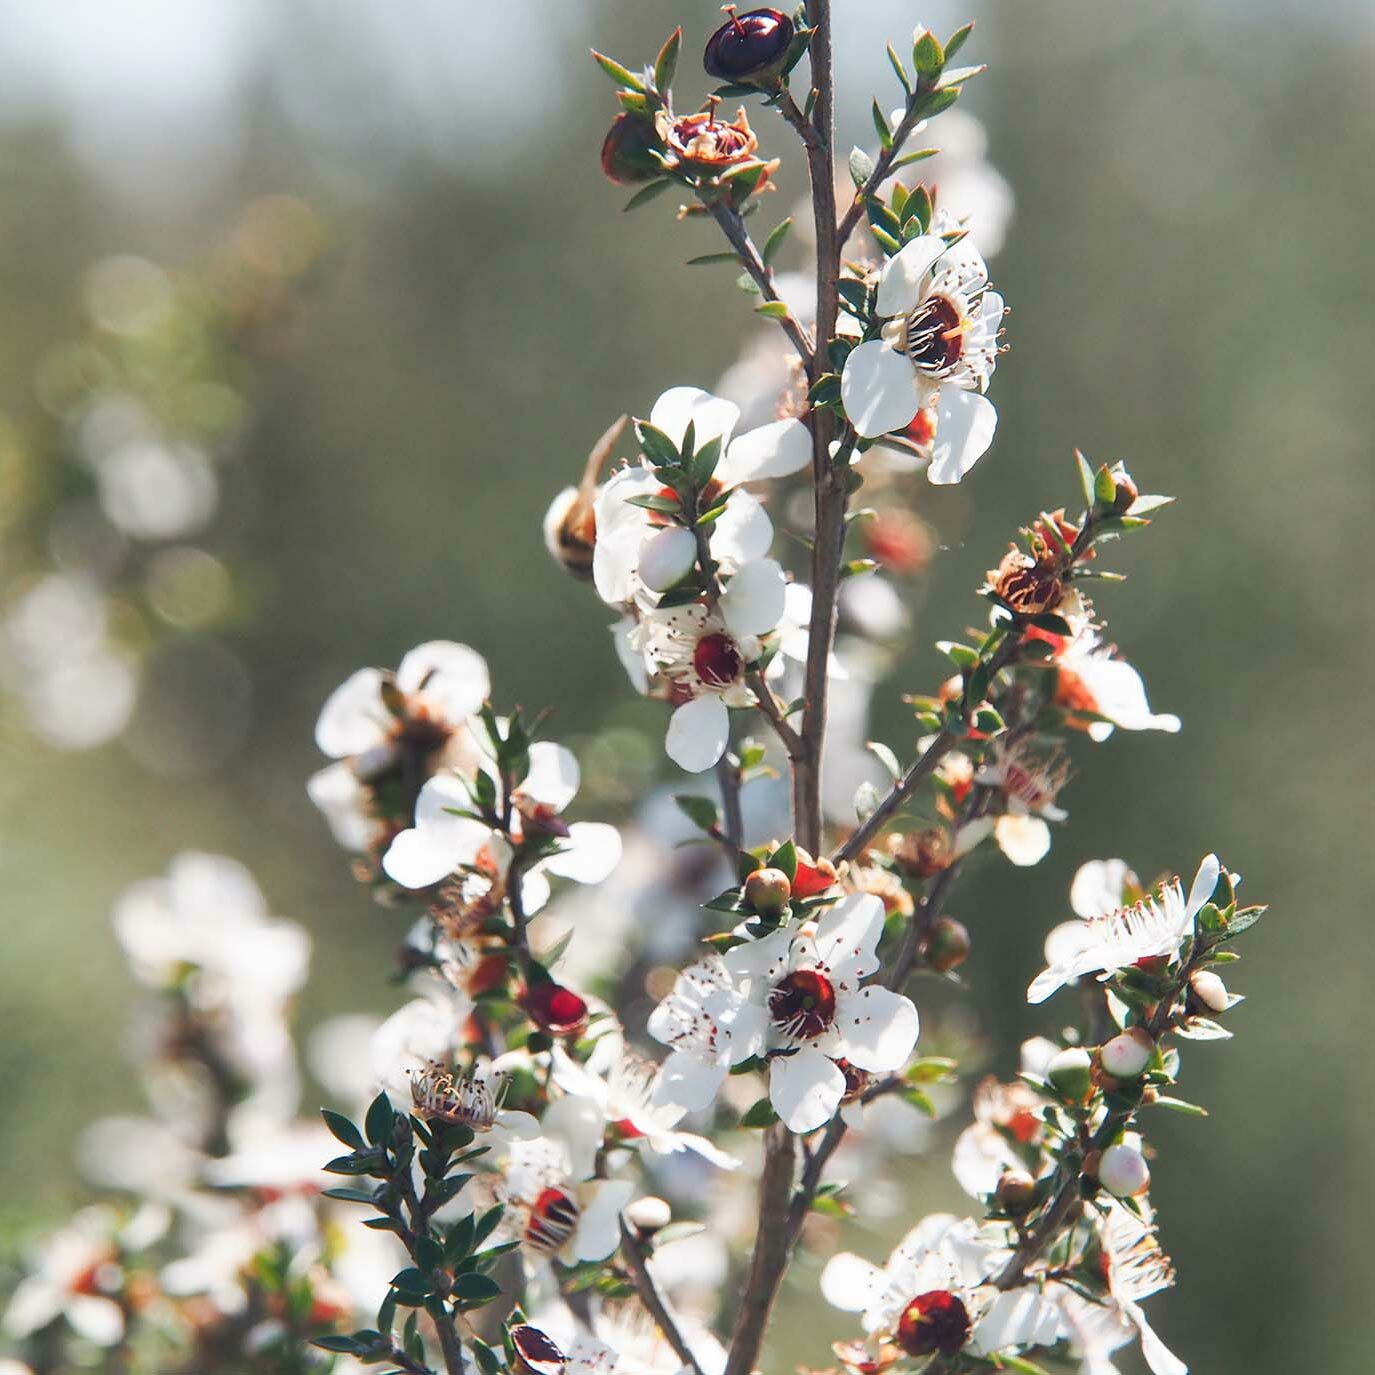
626,151
749,47
554,1009
1016,1192
947,947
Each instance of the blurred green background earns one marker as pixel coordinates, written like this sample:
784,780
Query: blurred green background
1191,272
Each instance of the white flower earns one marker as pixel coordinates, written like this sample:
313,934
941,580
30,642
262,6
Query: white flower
417,1034
1029,781
796,996
1006,1133
470,1099
1093,679
1151,928
438,686
441,842
621,1086
933,1294
937,351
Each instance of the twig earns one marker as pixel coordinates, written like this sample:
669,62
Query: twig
883,167
728,778
633,1249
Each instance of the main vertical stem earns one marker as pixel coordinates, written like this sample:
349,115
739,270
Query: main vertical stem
773,1239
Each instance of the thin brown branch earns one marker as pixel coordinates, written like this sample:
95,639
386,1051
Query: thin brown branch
637,1262
728,778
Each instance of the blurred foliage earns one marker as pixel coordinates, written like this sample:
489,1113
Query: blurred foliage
1190,273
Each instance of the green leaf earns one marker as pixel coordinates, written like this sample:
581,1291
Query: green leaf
962,656
775,310
488,1362
411,1281
899,69
646,194
1086,479
957,40
775,240
658,448
667,506
667,61
344,1129
472,1290
861,166
928,57
785,858
701,811
1179,1105
378,1122
622,76
886,757
916,155
885,134
761,1114
1104,486
706,259
954,77
360,1162
349,1346
350,1195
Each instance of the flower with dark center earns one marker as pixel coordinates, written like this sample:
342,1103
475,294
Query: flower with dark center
717,661
803,1004
554,1008
552,1220
749,47
933,337
703,143
1028,585
934,1321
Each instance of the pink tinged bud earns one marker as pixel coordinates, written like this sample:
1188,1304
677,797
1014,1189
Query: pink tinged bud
1126,1056
1209,990
1123,1171
768,891
1071,1074
666,557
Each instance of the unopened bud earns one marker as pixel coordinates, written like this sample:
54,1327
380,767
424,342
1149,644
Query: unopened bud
1016,1192
666,557
647,1215
947,947
554,1008
626,155
749,47
1122,1170
1126,491
1126,1056
768,891
1209,991
920,854
1071,1074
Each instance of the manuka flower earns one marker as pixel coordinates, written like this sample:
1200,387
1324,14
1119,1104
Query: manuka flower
471,1099
1099,691
933,1295
1152,928
1008,1128
441,841
794,996
390,732
1029,781
936,352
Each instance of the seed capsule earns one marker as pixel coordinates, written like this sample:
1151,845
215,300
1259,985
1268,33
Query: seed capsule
749,47
626,151
1016,1192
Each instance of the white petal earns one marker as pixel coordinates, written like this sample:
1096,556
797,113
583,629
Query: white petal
899,288
1098,887
417,859
880,389
580,1124
451,674
805,1089
554,776
711,417
1048,982
698,732
743,531
847,937
979,1160
774,450
879,1028
965,422
1021,1317
632,660
753,602
666,557
100,1321
689,1080
1159,1357
353,719
342,800
851,1283
599,1227
1204,883
1025,840
591,852
535,890
620,528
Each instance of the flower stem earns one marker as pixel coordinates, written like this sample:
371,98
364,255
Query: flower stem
636,1259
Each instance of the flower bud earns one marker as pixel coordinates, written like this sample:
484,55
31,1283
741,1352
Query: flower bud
626,151
666,557
647,1215
749,47
920,854
1126,1056
813,876
1127,493
1016,1192
947,947
1208,990
768,891
1070,1074
1122,1170
554,1008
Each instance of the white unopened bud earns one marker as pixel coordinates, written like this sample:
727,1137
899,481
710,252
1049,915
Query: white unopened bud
647,1215
1071,1074
1123,1171
1126,1056
1209,990
666,557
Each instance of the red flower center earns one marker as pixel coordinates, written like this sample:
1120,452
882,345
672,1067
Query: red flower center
716,660
803,1004
934,1321
935,335
553,1220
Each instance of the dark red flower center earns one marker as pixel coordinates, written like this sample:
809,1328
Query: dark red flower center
803,1004
935,335
553,1220
716,660
554,1008
934,1321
